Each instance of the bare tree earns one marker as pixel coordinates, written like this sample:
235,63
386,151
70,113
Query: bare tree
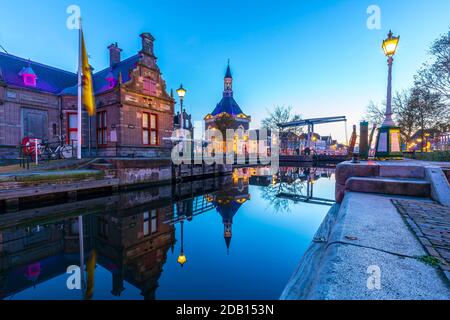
435,74
406,117
375,113
430,111
279,115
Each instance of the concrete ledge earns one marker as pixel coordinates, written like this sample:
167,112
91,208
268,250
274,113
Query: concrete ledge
367,231
407,187
40,190
402,171
440,188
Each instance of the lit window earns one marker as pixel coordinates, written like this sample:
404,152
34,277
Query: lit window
102,129
149,87
150,222
146,224
72,128
29,80
149,129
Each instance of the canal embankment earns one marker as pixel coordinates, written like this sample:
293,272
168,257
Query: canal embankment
367,249
71,179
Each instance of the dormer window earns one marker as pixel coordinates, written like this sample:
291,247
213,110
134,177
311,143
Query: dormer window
28,76
111,80
29,80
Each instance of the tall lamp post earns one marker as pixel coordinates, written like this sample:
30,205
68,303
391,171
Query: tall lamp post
181,93
388,142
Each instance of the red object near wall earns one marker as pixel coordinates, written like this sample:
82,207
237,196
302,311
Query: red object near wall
29,146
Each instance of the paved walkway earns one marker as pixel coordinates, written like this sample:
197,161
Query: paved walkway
431,224
366,239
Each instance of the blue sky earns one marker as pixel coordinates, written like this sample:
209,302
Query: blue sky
316,56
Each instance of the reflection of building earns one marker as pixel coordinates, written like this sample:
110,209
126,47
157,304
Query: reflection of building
227,203
130,234
131,241
30,256
133,247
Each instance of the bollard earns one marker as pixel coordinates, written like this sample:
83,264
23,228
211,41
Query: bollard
364,140
36,151
355,158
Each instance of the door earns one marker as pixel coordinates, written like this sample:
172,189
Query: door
34,123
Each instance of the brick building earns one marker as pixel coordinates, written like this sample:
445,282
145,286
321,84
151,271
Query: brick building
134,111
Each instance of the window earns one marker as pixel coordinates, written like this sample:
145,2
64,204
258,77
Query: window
35,123
29,80
74,230
103,227
149,87
150,224
72,128
102,129
149,129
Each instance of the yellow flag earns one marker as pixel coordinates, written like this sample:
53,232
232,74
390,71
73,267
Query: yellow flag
88,87
90,267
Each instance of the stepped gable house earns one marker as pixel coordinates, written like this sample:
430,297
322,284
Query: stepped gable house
134,111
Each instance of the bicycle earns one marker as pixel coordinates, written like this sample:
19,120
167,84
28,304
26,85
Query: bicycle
62,150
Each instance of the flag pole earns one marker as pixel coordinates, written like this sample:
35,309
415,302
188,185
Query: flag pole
79,115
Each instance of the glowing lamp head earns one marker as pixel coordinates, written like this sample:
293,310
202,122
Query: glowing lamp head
181,92
390,44
182,259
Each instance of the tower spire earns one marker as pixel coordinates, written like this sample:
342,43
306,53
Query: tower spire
228,82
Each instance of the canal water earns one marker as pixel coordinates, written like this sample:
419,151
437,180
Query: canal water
234,237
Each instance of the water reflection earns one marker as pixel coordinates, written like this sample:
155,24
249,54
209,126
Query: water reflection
128,238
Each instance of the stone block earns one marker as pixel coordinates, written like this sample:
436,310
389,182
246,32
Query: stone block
440,187
339,192
413,172
346,170
413,188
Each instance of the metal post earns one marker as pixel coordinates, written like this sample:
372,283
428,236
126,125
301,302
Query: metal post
388,115
181,115
181,126
89,136
309,137
79,96
36,151
81,238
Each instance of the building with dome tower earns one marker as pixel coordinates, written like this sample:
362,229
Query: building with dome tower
228,107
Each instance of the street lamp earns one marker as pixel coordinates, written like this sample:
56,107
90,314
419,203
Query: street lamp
181,93
388,142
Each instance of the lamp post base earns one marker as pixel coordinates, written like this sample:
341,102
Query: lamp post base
388,143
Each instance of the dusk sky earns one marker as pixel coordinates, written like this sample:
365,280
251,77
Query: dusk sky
317,56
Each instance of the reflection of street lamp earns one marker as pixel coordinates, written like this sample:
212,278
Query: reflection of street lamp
388,143
182,258
314,139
